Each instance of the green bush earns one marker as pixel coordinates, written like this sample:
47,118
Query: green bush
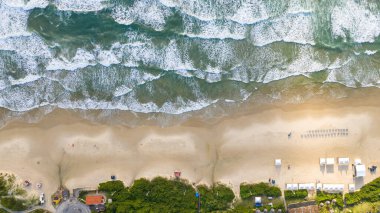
370,192
157,195
218,197
247,191
295,194
324,196
111,186
13,203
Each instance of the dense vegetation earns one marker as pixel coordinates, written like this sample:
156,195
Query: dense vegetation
322,197
369,192
13,203
163,195
215,198
248,191
295,194
8,192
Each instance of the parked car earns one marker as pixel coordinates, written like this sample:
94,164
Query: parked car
42,198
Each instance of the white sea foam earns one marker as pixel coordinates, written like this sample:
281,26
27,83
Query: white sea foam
370,52
107,58
26,5
214,29
122,90
353,20
289,28
81,59
13,21
26,46
26,79
153,15
250,12
80,5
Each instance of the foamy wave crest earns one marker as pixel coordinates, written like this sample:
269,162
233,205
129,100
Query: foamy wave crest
297,28
80,5
13,21
153,15
213,29
26,5
353,20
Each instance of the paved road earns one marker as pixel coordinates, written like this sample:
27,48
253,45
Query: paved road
73,206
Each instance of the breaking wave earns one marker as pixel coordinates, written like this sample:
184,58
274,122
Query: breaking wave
173,57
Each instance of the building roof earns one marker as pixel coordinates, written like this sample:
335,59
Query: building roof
360,170
330,161
94,199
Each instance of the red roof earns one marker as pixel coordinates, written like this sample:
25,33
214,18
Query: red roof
94,199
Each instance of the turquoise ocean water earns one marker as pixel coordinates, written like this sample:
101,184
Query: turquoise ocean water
179,56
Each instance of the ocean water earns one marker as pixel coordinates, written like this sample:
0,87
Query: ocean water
174,57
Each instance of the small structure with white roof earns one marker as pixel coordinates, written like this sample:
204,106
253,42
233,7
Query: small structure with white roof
307,186
277,162
359,170
330,161
333,187
292,186
322,161
351,187
319,186
343,161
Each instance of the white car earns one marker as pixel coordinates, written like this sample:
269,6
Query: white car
42,198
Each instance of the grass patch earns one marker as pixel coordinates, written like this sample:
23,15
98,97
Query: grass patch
248,191
323,197
370,192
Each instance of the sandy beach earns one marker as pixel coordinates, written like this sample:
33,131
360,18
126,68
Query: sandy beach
63,148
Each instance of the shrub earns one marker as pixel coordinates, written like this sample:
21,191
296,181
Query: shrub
218,197
324,196
369,192
13,204
157,195
247,191
111,186
296,194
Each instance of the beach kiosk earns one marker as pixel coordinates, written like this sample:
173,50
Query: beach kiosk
343,161
307,186
333,188
277,162
319,186
330,161
292,186
359,170
322,161
351,187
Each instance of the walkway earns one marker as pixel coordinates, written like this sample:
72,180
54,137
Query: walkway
72,205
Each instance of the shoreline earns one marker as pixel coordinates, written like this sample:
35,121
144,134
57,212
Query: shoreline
231,151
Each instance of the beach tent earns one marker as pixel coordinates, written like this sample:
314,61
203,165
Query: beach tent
330,161
277,162
351,187
307,186
319,186
333,187
292,186
322,161
359,170
343,161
